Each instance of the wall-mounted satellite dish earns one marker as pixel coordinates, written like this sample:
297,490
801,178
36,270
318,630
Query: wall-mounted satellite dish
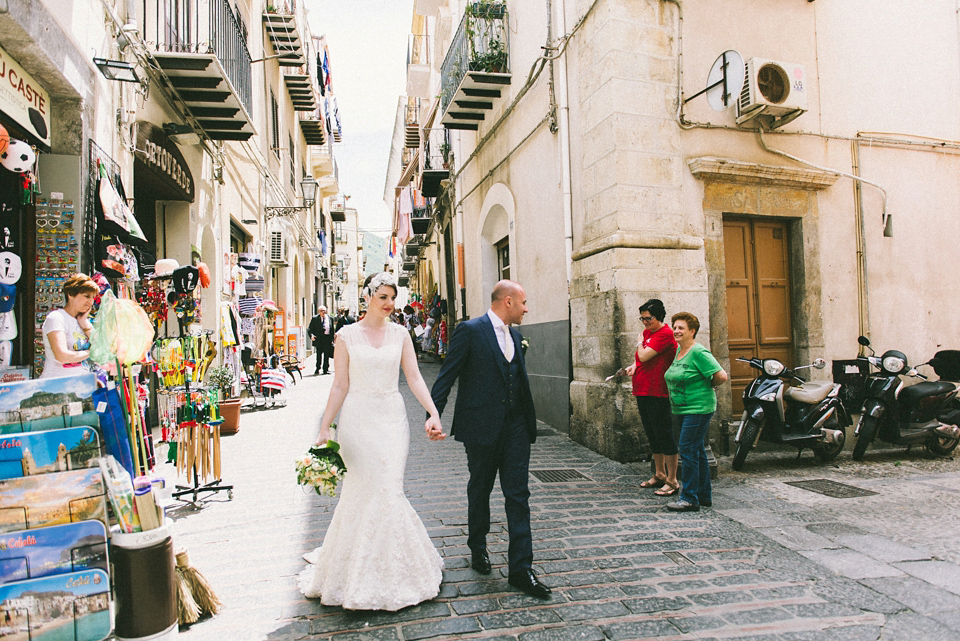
724,82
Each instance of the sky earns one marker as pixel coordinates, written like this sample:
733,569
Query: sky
367,40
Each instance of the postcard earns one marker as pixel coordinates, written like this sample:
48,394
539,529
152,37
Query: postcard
47,452
58,549
78,602
47,403
52,499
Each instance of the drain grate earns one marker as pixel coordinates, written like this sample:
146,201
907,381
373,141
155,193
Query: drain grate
558,476
832,488
678,558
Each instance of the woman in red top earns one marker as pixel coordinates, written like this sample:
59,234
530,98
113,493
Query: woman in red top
656,348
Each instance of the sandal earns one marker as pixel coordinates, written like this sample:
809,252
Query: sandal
654,482
668,489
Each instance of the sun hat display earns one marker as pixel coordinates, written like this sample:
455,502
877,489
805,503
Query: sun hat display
186,279
165,266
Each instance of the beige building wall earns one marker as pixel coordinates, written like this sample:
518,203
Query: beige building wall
650,194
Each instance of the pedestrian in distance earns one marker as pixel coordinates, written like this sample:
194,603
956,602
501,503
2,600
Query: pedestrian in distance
495,420
376,553
690,381
321,330
656,348
343,319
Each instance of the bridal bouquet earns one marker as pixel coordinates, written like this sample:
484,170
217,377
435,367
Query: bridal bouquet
321,468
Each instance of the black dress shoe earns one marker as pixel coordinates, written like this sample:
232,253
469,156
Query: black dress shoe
480,561
706,503
528,582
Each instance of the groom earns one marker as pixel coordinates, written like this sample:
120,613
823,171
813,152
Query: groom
494,419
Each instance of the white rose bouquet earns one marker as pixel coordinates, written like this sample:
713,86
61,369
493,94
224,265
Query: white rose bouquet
321,468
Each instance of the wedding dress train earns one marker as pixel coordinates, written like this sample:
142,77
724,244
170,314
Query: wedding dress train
376,554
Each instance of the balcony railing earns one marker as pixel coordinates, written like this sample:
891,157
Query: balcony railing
418,50
480,45
437,156
411,131
212,28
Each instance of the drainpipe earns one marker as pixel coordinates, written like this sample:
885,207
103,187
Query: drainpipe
564,128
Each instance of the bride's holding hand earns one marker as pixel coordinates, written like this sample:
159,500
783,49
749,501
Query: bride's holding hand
376,554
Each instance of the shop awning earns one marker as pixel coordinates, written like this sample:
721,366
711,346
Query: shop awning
203,85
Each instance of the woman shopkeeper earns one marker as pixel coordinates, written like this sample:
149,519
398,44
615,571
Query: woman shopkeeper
66,331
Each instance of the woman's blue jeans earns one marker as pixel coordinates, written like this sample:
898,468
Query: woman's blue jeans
695,487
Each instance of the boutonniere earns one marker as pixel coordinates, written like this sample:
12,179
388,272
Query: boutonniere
524,344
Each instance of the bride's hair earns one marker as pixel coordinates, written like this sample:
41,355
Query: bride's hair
376,281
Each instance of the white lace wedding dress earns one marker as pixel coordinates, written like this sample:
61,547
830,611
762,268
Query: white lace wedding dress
376,554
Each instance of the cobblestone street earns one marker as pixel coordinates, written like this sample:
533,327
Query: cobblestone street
769,562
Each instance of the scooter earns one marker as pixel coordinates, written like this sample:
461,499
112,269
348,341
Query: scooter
926,413
804,414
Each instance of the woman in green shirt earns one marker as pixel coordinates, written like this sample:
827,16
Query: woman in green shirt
690,382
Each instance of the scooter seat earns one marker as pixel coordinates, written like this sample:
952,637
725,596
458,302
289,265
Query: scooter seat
911,395
810,392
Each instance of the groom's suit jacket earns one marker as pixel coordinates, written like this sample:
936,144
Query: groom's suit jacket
474,357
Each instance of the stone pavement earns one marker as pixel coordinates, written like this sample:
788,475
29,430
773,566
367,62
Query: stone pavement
769,562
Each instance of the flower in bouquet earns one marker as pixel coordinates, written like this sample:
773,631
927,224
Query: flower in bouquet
321,468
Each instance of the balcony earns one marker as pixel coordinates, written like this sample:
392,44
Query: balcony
420,221
411,131
207,65
338,211
477,66
281,26
436,161
300,89
419,67
313,128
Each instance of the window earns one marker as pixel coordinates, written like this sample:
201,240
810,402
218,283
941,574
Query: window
176,19
275,122
293,164
503,259
338,233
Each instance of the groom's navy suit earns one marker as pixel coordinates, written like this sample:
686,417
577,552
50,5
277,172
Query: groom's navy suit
495,420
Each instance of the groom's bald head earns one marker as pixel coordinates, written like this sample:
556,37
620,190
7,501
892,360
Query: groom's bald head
503,289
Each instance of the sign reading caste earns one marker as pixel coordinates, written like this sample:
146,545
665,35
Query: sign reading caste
23,99
163,159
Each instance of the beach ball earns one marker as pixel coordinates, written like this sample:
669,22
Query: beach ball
4,139
18,157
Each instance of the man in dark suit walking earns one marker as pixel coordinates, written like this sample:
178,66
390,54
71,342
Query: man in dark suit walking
494,418
321,329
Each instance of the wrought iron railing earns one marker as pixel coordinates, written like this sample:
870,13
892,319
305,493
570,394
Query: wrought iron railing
436,149
482,43
412,112
194,30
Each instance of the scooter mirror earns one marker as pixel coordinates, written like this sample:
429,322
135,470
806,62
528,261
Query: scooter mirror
863,340
819,363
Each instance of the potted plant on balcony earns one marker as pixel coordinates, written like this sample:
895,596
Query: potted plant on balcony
493,60
488,9
222,378
445,152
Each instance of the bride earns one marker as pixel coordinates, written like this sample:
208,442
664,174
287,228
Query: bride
376,554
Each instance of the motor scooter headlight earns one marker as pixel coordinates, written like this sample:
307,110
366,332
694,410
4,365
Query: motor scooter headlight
773,367
893,364
768,398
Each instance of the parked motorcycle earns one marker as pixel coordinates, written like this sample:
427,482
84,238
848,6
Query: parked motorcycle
927,413
802,413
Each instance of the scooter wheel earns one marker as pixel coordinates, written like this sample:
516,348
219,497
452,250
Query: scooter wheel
826,452
868,428
941,445
747,438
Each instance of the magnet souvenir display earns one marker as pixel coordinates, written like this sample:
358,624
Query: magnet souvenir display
18,157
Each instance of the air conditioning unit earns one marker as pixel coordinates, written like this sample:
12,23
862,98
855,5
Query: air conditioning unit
775,92
278,247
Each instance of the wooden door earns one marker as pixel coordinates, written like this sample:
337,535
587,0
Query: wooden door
758,297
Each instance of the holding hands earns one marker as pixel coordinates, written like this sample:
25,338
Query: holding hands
434,429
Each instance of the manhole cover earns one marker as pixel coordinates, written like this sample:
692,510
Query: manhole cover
558,476
831,488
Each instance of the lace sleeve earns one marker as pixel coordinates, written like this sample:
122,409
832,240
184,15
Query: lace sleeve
346,335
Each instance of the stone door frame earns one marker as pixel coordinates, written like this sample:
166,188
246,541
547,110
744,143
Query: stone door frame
736,188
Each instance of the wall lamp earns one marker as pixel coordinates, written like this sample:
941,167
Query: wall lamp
308,187
117,70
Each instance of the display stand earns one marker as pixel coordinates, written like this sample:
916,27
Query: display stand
202,447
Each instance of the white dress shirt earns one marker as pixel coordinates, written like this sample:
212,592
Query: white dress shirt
504,339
